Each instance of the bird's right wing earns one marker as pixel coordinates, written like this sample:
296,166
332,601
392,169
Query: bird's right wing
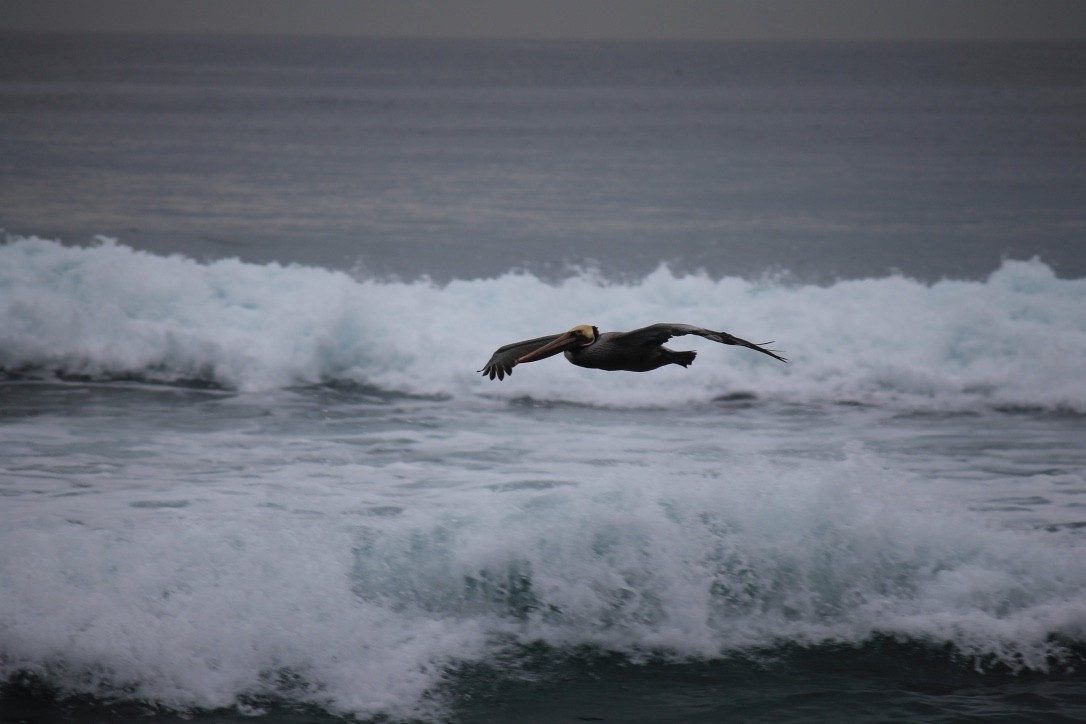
501,363
662,332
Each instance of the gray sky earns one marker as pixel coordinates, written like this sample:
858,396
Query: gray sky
663,19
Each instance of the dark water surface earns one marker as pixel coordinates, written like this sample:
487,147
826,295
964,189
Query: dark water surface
460,159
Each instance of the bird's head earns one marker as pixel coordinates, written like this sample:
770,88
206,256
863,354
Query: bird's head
580,336
584,334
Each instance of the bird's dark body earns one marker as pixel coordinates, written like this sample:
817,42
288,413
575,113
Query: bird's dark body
617,351
640,350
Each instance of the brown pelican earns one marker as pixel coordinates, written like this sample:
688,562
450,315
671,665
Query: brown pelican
638,351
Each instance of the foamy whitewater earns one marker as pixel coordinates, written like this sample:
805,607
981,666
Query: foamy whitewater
228,485
108,312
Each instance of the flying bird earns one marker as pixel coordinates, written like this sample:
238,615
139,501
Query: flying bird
640,350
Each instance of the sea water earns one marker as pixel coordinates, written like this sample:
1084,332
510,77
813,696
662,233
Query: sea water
248,470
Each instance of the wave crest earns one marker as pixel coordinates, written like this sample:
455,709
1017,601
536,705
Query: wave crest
108,311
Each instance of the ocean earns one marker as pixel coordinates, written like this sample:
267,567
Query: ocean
249,471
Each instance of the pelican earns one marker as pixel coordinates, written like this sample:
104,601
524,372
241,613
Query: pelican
640,350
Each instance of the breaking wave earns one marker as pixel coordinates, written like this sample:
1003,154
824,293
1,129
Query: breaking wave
107,311
208,607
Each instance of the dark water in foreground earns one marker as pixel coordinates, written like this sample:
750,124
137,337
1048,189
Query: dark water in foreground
844,685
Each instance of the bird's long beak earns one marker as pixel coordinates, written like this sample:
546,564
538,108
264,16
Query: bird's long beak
555,346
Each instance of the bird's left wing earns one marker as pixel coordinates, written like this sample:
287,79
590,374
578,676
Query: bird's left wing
504,358
662,332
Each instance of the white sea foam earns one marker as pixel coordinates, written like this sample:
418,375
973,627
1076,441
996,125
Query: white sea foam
190,567
315,596
700,562
107,311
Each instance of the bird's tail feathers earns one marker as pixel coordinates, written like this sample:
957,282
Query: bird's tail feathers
684,358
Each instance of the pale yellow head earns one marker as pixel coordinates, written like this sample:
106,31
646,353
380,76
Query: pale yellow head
584,333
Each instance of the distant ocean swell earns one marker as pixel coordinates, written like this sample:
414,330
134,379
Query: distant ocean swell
108,312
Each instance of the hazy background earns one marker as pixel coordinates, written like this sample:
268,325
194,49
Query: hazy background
588,19
456,139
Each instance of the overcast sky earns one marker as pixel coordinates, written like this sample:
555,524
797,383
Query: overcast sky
660,19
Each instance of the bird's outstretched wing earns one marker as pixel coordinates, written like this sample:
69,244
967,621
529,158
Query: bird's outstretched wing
659,333
504,358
